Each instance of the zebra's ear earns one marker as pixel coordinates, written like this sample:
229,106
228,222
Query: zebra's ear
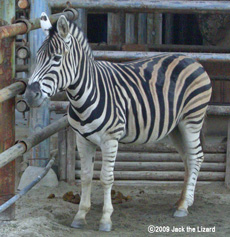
63,27
45,23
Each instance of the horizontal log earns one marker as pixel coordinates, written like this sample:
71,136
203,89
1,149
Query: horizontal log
167,148
148,6
158,175
60,102
157,166
159,157
160,48
218,110
152,183
122,56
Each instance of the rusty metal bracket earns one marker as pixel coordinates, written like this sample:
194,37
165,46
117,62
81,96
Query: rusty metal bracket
26,22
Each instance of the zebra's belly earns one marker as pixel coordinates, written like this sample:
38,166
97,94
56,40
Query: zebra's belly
143,134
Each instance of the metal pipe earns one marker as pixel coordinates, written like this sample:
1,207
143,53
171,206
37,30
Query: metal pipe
160,48
22,68
23,26
218,110
60,106
25,190
148,6
26,144
128,56
23,4
12,90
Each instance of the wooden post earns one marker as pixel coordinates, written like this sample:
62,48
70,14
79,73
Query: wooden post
168,28
227,172
7,115
62,153
116,28
157,29
70,155
39,117
82,20
150,28
130,29
67,155
142,28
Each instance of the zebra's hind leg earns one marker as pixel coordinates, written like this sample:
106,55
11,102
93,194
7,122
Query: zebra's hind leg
109,152
177,140
193,158
87,153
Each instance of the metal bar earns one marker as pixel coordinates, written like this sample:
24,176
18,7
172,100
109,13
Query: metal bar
33,24
128,56
22,68
12,90
162,48
26,144
212,109
148,6
59,106
25,190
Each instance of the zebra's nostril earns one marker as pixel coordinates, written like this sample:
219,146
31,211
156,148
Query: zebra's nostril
37,94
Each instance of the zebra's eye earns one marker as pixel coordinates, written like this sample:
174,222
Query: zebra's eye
57,58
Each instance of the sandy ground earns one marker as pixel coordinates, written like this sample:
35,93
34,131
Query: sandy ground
37,216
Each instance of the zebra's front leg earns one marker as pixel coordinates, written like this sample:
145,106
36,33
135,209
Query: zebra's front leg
87,153
109,152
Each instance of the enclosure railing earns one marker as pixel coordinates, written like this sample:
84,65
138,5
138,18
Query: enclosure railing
148,6
26,144
21,26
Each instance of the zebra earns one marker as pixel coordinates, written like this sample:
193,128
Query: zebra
131,102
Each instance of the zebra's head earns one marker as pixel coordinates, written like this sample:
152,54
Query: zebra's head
52,62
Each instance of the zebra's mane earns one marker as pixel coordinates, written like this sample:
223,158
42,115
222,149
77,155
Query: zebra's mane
77,33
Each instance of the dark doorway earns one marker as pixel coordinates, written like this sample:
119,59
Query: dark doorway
97,28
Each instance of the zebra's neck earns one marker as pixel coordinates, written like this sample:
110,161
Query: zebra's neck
81,39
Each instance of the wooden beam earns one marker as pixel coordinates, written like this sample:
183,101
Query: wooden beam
159,157
227,172
159,175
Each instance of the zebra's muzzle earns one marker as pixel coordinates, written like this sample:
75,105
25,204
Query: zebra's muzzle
33,95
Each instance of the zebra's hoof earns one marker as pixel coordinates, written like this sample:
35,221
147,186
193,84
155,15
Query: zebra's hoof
105,227
79,224
180,213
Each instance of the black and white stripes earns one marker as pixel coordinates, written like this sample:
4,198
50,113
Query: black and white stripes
134,102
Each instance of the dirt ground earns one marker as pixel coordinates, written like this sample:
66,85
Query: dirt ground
37,216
